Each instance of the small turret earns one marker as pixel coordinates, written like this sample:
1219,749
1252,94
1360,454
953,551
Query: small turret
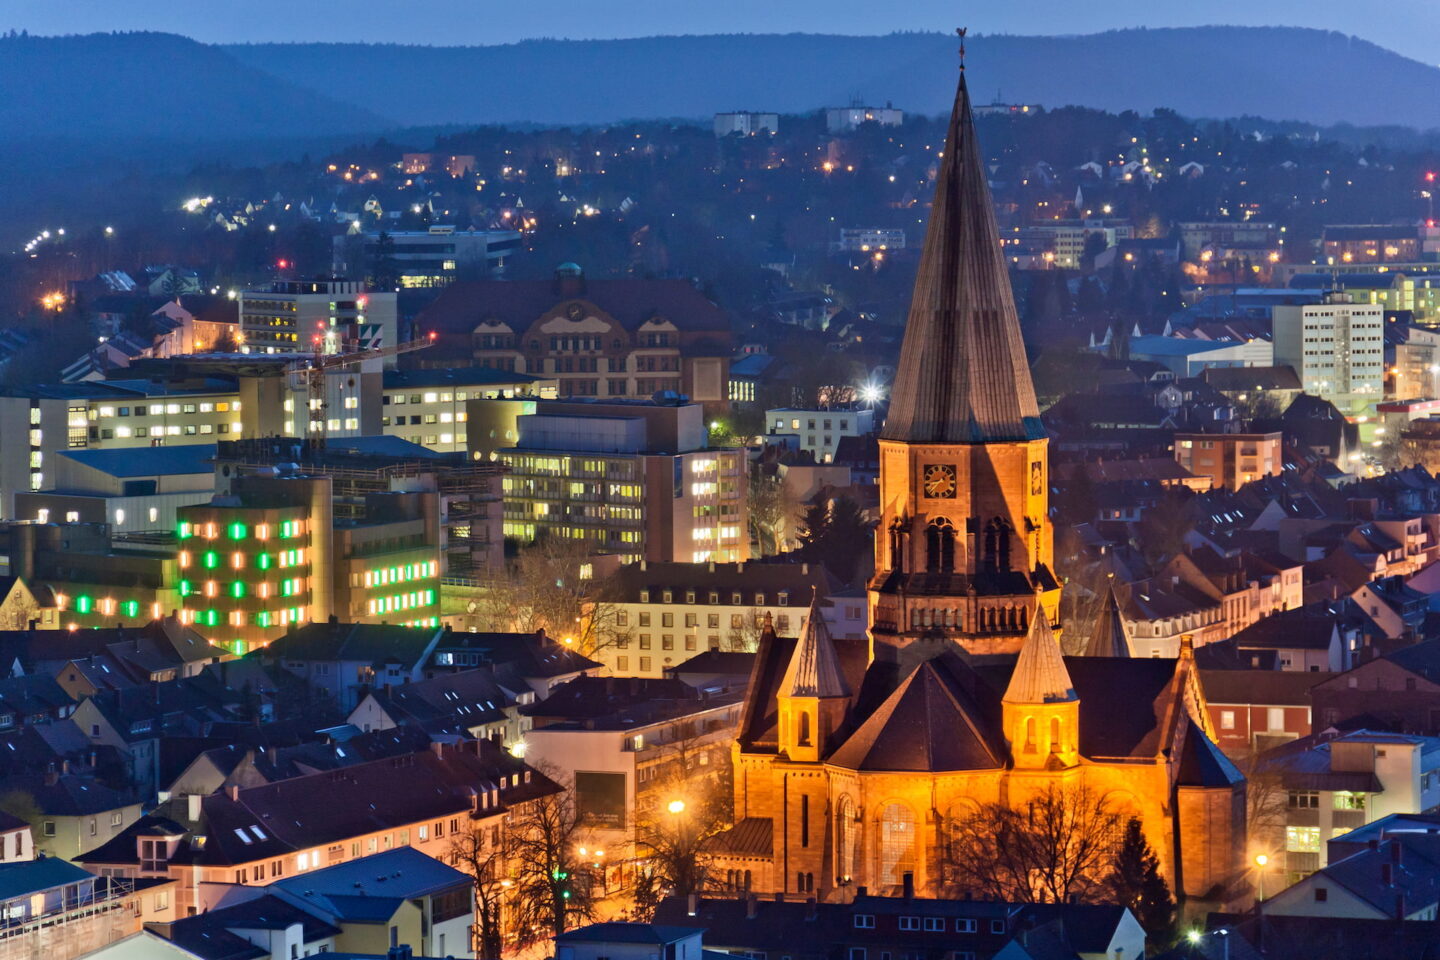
1040,710
813,694
1109,638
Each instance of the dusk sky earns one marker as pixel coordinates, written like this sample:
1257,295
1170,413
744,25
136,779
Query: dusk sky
1411,27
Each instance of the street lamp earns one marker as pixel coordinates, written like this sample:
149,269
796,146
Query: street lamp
676,806
1260,861
1195,936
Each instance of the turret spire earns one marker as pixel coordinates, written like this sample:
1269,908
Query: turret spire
1109,639
964,374
814,669
1040,675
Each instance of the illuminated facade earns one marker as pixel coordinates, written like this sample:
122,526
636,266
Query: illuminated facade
270,554
303,316
1337,347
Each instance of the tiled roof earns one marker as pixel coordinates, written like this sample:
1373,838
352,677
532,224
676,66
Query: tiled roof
814,669
964,374
1040,675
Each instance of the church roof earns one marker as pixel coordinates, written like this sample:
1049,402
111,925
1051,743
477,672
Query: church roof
932,722
814,669
1108,639
1040,675
966,378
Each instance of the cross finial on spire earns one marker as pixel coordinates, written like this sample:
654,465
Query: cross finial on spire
960,32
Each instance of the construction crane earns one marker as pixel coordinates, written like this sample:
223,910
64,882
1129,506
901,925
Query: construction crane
314,368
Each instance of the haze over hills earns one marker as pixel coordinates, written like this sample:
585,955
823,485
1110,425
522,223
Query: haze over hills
155,85
1281,73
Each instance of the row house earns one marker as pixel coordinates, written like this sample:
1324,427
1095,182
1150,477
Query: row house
255,836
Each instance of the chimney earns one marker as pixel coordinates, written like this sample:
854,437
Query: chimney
811,909
907,879
861,891
233,792
805,569
192,807
692,905
437,748
751,906
1399,906
779,897
1387,873
51,777
1395,852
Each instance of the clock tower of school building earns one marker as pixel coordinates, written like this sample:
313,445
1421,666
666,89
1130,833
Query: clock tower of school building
964,549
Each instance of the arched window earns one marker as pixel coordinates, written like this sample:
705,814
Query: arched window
940,546
1055,745
897,844
848,833
897,547
804,738
997,545
1030,745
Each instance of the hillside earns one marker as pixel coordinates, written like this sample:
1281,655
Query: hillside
155,85
1281,73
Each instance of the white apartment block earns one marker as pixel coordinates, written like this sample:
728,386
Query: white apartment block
819,431
1337,347
746,124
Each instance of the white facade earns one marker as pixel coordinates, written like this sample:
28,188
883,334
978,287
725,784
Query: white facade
746,124
846,119
315,316
819,431
866,239
1338,350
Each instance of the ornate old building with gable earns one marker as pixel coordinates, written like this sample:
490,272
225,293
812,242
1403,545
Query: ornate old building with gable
854,758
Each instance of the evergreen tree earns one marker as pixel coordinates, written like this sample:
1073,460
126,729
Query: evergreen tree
1135,881
836,534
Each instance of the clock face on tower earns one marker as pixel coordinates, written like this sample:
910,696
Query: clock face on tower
940,481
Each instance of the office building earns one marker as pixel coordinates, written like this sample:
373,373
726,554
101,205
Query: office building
316,316
871,239
1371,243
428,407
1337,347
427,258
635,479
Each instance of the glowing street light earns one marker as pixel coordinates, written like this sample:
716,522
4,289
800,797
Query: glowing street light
676,807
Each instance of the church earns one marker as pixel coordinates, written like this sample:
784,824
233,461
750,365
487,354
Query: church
854,759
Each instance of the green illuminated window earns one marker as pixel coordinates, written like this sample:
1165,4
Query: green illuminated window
184,531
237,531
263,561
130,608
211,559
185,587
84,604
263,618
237,589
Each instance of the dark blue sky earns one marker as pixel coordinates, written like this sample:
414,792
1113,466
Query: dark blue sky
1411,27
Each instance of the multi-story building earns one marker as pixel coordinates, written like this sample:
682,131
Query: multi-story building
654,616
434,257
1337,347
428,406
132,490
628,749
846,119
870,239
1231,460
819,432
1187,357
1371,243
324,315
269,552
57,910
1334,784
613,338
1196,237
1061,243
636,479
747,124
1412,364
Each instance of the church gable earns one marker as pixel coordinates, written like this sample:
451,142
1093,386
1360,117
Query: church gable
930,723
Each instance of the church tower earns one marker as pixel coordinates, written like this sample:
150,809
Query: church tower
963,551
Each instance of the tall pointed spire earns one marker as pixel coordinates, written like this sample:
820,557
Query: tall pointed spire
1040,675
964,377
1109,639
814,669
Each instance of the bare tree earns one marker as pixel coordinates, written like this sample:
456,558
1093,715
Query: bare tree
1267,802
770,512
486,853
549,587
545,839
1059,843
